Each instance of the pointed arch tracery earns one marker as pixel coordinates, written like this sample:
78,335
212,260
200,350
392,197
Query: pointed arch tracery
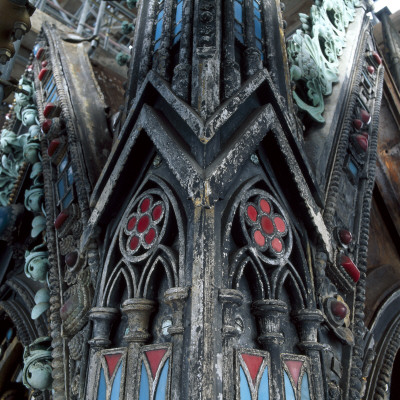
140,245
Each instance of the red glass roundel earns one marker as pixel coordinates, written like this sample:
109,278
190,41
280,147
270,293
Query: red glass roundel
280,224
131,224
277,244
259,238
134,243
143,226
150,236
157,212
252,213
265,207
143,223
145,204
266,226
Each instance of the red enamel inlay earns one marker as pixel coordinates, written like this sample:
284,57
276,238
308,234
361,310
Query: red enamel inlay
143,223
144,206
39,53
150,235
253,364
350,268
48,109
46,125
71,258
157,212
259,238
60,219
44,64
131,224
53,146
345,236
112,361
357,124
365,117
267,225
280,224
365,134
252,213
338,309
265,206
377,57
277,245
154,357
370,69
42,73
134,243
294,368
362,141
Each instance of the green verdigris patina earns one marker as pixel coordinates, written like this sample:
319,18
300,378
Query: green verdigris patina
314,51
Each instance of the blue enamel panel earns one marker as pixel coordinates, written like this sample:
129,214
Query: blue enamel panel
51,93
63,163
70,175
60,188
178,28
9,334
244,386
67,200
238,12
101,393
178,15
353,169
263,390
257,27
161,391
36,49
177,38
54,98
288,388
49,83
305,390
144,393
158,30
116,384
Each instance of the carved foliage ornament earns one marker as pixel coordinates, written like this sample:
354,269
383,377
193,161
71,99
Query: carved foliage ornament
313,53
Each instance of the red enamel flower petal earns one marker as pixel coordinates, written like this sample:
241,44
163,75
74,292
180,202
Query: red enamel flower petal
145,204
252,213
143,223
259,238
157,212
150,236
131,224
277,245
134,243
267,225
280,224
265,206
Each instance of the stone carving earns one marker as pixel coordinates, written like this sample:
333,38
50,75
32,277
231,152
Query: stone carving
74,311
313,53
37,365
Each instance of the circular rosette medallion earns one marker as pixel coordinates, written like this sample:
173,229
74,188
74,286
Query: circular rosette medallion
143,225
266,226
